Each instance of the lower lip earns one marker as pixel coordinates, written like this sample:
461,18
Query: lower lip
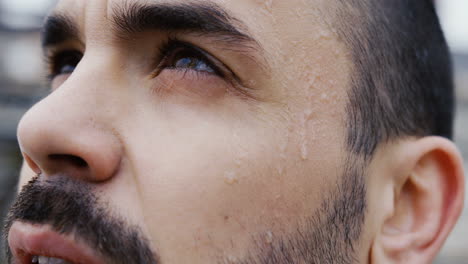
28,240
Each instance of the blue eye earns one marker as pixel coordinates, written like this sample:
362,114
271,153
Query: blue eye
193,63
67,69
64,62
183,56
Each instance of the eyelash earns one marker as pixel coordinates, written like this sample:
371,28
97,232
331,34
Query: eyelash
173,49
56,61
168,52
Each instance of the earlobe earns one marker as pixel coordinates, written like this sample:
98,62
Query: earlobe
426,204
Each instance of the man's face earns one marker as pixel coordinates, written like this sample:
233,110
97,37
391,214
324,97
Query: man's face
214,136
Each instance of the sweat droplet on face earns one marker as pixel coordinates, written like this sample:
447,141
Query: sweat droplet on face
304,150
269,5
303,134
269,237
231,259
230,177
280,169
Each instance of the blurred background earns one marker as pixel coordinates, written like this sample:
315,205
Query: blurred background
21,86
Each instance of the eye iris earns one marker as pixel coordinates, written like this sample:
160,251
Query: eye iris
194,64
66,69
66,62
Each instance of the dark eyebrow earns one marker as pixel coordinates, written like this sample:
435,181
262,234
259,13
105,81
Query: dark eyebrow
57,29
204,18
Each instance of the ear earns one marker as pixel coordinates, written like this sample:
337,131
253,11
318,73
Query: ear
428,198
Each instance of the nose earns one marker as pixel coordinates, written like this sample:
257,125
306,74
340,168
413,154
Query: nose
65,134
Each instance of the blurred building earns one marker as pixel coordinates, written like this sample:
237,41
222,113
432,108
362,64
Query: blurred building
21,78
20,82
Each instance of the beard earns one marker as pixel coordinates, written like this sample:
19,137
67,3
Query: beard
330,236
69,206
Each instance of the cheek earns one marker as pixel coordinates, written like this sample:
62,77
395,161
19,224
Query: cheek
224,178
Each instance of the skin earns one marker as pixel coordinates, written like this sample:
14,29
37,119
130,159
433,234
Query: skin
200,168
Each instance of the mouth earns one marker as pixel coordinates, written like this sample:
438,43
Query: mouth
39,244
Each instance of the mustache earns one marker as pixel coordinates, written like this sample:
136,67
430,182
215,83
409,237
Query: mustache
70,207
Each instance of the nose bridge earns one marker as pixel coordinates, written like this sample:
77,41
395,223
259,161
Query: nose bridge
71,132
92,84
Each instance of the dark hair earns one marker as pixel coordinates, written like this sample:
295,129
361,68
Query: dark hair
402,83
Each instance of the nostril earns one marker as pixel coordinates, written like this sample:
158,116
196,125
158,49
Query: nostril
69,159
33,165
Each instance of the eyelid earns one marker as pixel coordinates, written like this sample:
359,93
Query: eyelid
221,69
171,47
52,56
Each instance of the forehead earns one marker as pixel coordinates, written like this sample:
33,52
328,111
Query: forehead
243,6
